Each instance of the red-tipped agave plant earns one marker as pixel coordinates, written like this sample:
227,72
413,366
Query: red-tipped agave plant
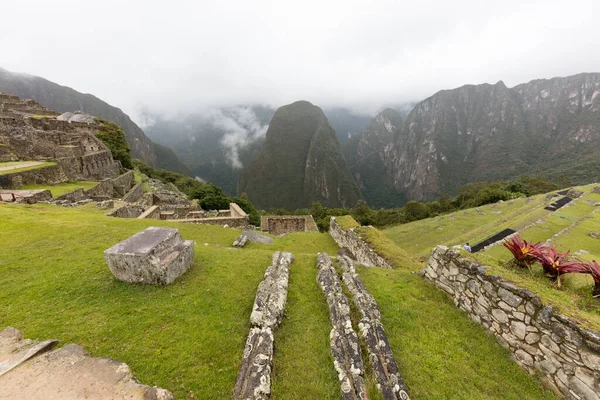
594,270
524,252
555,264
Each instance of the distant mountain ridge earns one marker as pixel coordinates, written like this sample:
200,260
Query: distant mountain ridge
490,132
63,99
299,163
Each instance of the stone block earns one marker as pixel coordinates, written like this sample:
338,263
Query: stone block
153,256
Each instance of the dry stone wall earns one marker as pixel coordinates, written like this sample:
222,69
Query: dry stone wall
282,224
362,252
540,339
46,175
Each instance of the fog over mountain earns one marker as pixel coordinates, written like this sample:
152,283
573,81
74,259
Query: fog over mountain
191,56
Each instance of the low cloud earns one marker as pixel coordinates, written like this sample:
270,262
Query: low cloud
241,126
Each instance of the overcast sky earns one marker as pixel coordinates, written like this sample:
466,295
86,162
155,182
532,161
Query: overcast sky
183,55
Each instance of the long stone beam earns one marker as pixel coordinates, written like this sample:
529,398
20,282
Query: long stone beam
254,377
385,368
344,343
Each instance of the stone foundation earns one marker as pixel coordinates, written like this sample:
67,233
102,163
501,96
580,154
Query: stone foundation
46,175
363,254
282,224
540,339
231,222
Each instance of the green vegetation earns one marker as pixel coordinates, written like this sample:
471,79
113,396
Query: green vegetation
61,188
166,159
418,238
58,285
573,222
42,116
346,222
300,162
470,195
15,170
11,163
441,353
113,136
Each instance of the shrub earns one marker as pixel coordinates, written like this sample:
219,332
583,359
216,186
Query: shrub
113,137
523,251
555,263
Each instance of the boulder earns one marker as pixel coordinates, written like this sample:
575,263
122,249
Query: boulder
153,256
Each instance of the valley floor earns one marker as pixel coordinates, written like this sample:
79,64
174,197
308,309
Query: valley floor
188,337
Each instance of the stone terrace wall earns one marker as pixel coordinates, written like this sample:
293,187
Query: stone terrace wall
282,224
239,222
46,175
363,254
540,339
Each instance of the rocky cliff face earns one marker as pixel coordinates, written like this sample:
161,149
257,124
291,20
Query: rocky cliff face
64,99
365,156
490,132
300,162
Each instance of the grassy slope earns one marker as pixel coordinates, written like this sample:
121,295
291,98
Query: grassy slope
189,336
573,298
418,238
61,188
441,353
12,171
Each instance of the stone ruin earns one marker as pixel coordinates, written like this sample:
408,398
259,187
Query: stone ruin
37,371
30,132
541,340
254,376
166,202
282,224
154,256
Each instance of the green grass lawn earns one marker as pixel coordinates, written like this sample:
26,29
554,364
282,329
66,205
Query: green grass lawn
418,238
441,353
61,188
189,337
12,171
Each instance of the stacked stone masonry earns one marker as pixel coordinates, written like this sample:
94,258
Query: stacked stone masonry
282,224
30,132
254,377
540,339
383,364
362,253
343,340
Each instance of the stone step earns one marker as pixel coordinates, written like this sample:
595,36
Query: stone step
148,212
67,373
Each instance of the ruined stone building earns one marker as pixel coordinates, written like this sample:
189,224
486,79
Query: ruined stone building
30,132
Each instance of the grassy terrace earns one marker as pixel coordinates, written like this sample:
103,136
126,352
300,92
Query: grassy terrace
61,188
573,222
15,170
189,336
419,237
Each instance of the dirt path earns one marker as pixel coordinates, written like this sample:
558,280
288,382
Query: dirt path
21,165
